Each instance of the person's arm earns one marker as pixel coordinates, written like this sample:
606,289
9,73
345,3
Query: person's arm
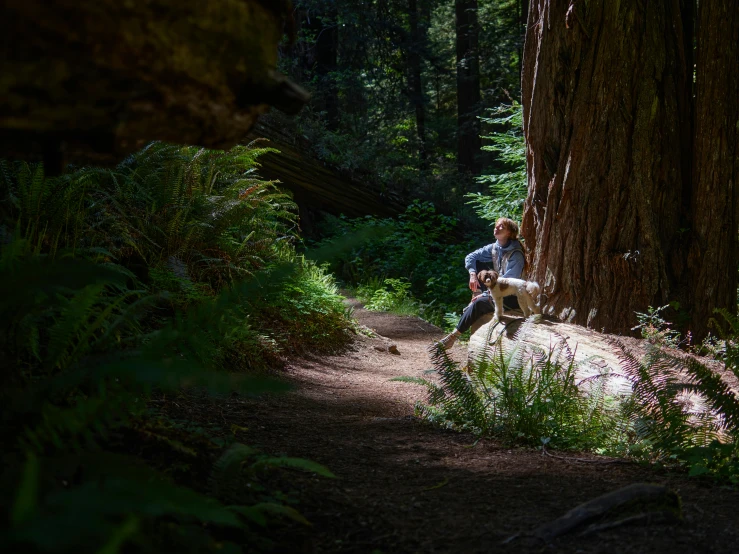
515,265
483,254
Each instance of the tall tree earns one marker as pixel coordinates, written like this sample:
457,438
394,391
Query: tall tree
468,85
630,204
325,29
600,85
713,257
417,43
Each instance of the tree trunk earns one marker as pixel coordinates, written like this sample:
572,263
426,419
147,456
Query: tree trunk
523,16
602,88
327,97
468,86
713,255
416,83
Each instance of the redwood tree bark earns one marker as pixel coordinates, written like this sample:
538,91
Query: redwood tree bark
602,86
468,86
713,254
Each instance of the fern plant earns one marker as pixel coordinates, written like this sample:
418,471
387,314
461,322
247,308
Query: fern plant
519,392
684,410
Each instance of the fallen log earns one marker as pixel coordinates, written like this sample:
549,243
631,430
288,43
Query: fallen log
593,352
316,184
636,503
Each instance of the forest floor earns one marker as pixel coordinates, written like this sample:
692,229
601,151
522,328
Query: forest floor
405,486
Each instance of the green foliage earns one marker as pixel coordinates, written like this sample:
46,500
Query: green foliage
396,300
508,189
521,393
683,410
175,273
655,329
418,248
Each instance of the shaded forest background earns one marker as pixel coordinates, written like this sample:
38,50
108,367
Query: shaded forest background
388,80
141,272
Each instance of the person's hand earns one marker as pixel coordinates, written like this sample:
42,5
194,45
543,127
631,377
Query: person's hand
474,285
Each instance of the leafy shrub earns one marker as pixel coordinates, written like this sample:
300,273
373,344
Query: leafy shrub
395,300
418,247
655,329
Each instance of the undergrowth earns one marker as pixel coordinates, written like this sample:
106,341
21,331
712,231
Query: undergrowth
171,276
521,393
411,265
681,413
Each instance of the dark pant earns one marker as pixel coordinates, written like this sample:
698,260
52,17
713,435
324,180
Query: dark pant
482,305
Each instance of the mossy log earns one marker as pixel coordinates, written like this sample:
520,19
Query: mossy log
594,352
316,184
93,80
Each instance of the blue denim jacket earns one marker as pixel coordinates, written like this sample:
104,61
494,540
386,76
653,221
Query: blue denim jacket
507,260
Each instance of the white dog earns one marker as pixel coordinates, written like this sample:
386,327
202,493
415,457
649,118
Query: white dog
500,287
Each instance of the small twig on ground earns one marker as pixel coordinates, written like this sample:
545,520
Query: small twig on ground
545,452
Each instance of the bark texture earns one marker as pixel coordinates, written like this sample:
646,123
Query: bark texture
602,87
105,77
468,86
713,255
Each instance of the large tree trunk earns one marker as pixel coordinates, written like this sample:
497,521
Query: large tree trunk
468,86
602,88
416,83
326,51
713,255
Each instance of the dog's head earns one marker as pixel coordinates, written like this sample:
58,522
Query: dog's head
488,277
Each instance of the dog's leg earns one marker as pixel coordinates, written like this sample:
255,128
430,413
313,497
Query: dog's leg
498,301
523,301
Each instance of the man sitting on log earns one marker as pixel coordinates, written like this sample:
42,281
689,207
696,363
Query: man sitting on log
506,256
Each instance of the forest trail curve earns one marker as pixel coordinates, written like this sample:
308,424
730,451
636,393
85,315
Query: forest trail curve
405,486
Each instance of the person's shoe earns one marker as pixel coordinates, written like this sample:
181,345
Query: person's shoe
447,342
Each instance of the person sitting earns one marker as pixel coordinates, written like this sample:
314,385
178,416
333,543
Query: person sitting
506,256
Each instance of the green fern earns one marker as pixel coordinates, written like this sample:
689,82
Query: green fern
519,392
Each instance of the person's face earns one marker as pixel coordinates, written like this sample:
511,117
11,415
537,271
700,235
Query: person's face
502,233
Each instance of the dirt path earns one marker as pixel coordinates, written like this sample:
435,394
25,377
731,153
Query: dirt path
405,486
